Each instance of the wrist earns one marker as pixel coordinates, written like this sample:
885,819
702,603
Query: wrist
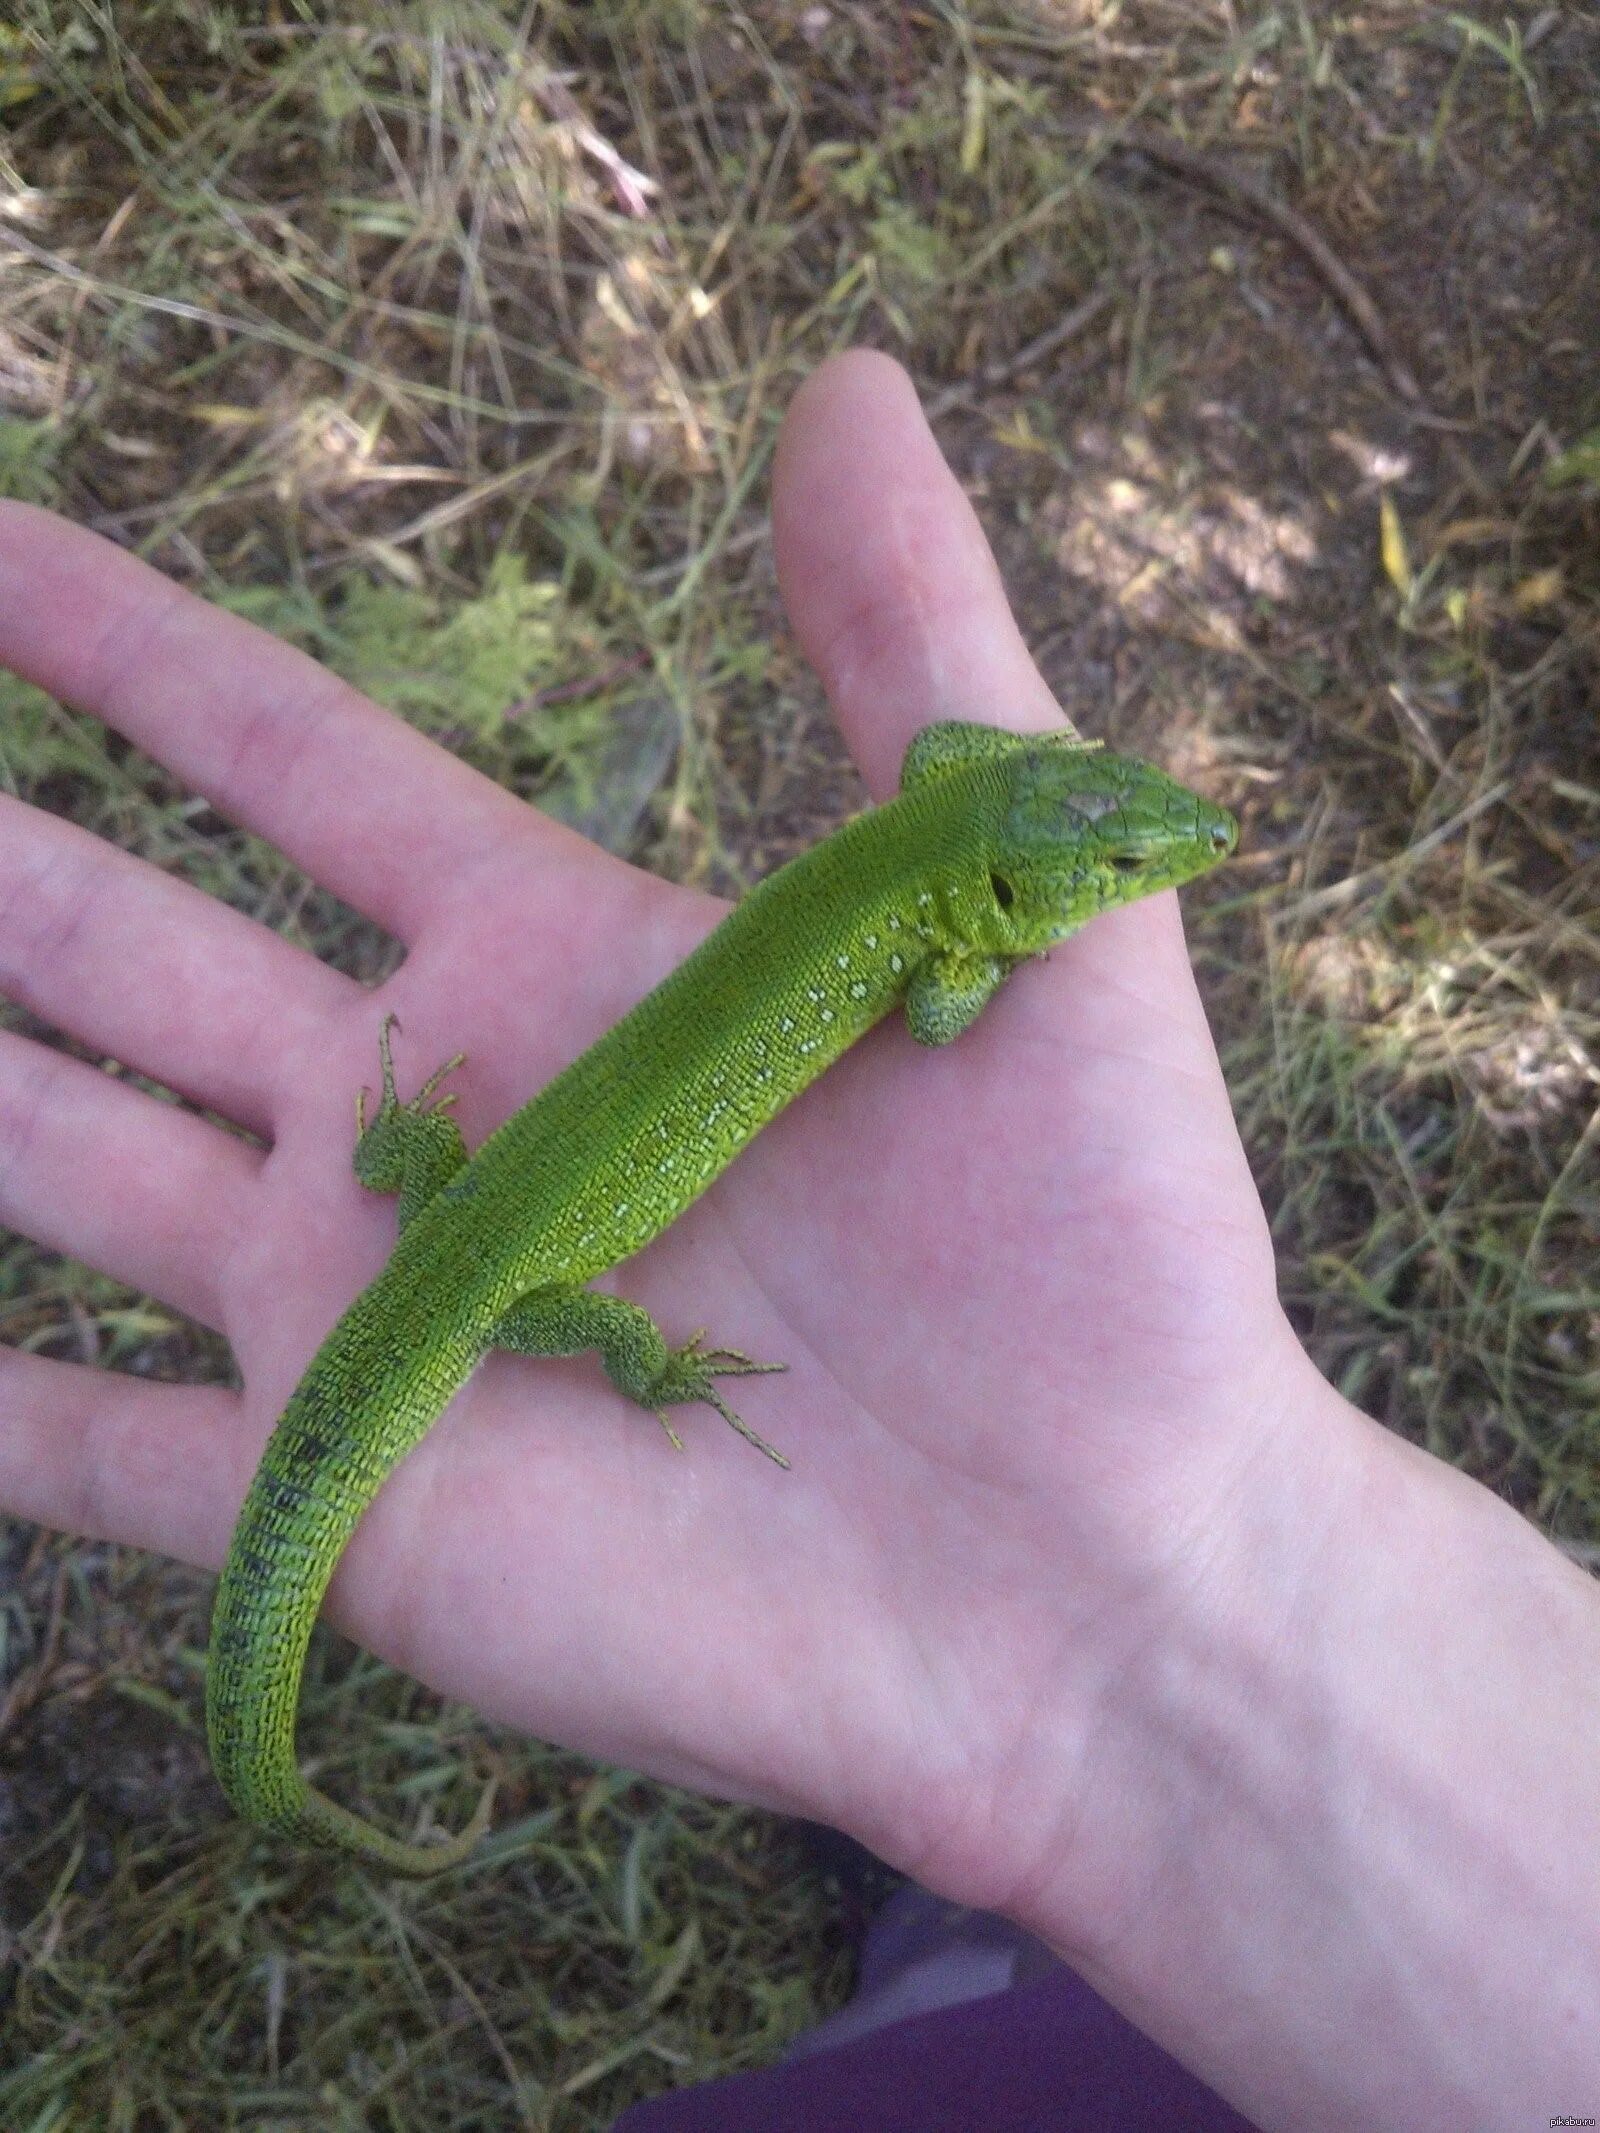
1226,1650
1334,1843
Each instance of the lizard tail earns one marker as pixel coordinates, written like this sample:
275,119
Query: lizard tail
317,1475
315,1819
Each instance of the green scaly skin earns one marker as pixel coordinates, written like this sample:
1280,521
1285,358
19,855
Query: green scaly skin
997,847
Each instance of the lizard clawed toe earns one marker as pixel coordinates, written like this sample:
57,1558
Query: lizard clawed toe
688,1375
714,1399
725,1362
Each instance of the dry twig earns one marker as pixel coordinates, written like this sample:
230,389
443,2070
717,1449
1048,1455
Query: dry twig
1253,199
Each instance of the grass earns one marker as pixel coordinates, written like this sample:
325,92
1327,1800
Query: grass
451,342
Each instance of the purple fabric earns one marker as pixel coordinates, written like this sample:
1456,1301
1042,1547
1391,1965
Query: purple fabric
1045,2057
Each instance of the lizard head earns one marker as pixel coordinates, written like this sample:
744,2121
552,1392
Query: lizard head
1084,830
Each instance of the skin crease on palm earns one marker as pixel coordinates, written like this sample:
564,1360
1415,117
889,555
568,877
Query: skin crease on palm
1048,1424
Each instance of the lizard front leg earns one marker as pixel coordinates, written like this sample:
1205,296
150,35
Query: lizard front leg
634,1351
950,991
413,1149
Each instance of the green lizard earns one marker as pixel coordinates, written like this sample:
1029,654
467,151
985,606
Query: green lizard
996,847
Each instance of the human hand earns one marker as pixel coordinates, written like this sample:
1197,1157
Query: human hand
1023,1284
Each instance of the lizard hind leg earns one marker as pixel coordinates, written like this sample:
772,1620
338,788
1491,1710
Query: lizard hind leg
635,1354
413,1149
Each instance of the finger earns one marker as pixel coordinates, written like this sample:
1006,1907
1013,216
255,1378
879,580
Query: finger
887,577
92,1167
896,597
120,1459
369,808
149,970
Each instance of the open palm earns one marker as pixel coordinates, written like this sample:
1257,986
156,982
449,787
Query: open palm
1023,1284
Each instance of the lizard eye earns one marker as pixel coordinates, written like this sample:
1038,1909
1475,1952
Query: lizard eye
1125,863
1004,894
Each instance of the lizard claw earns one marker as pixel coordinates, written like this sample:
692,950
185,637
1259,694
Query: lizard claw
689,1372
